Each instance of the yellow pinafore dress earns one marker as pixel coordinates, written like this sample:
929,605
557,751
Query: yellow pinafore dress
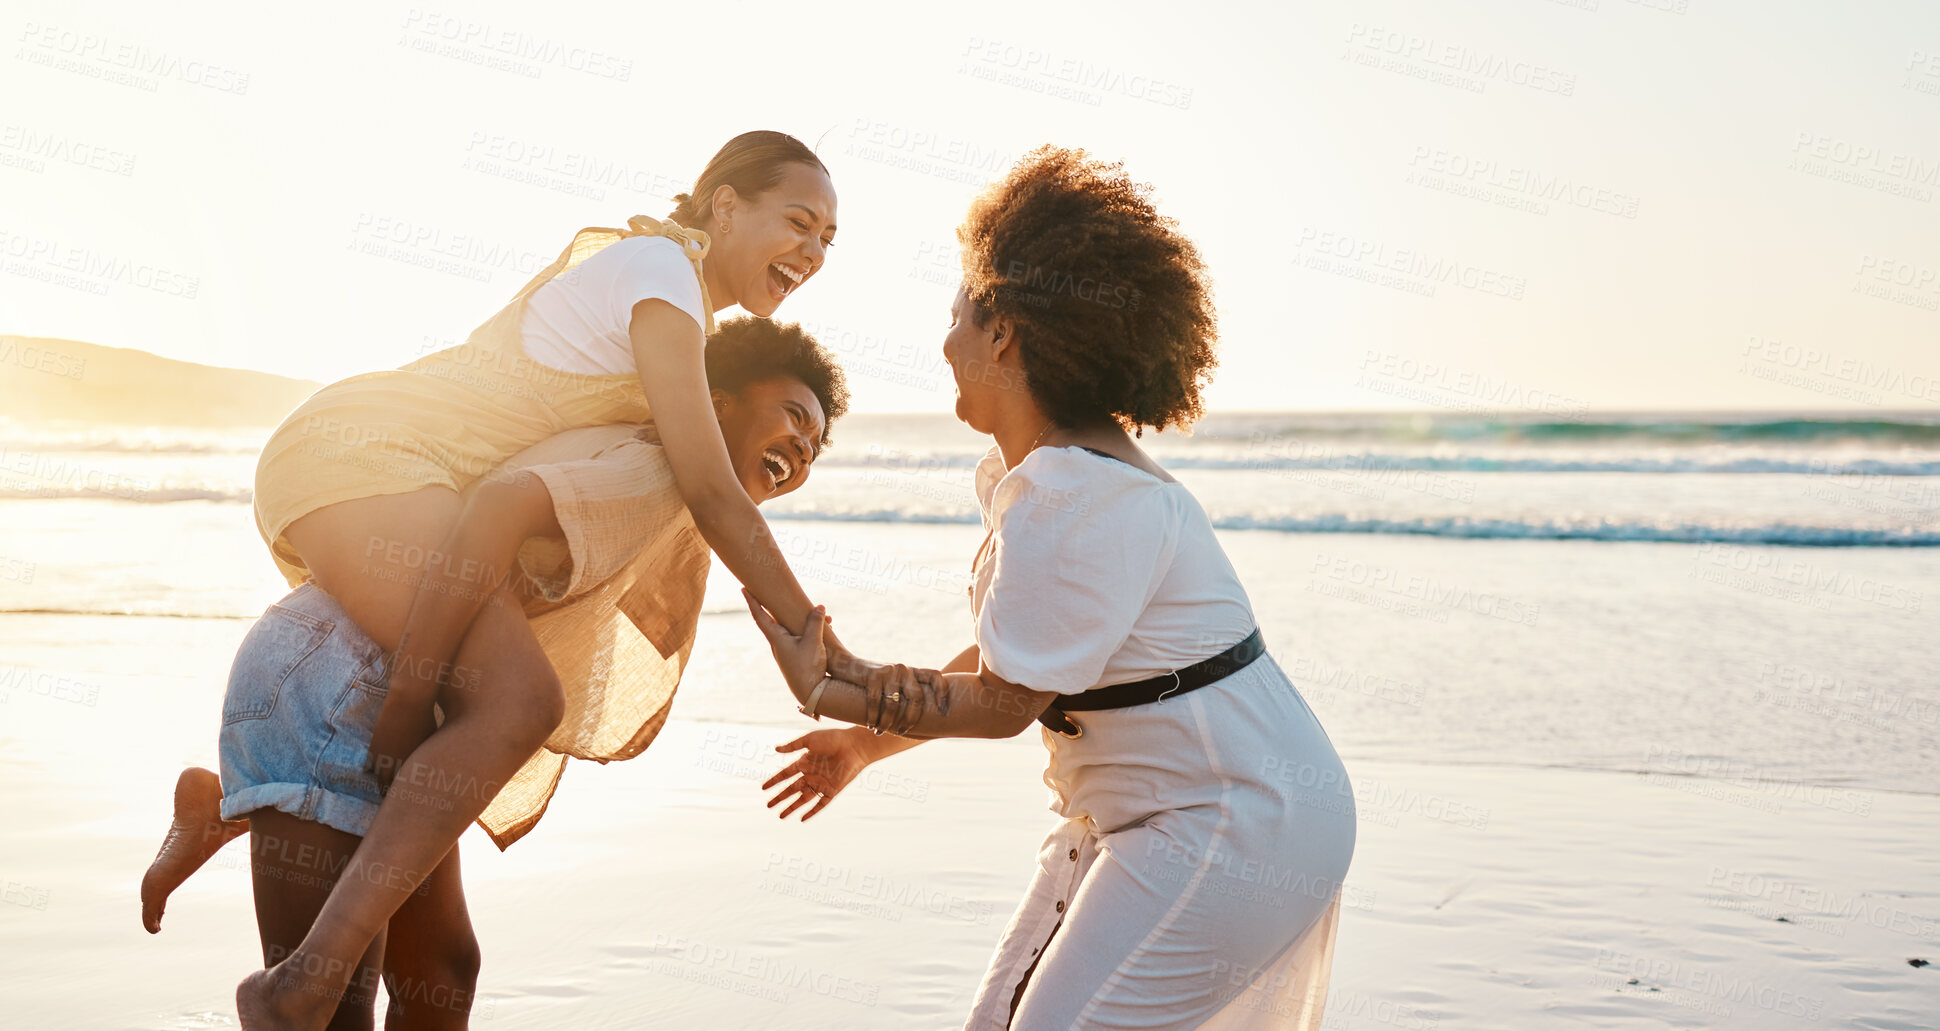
448,418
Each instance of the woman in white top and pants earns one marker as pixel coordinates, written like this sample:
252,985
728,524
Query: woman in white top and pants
1207,822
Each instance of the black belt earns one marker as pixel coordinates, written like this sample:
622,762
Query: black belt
1154,689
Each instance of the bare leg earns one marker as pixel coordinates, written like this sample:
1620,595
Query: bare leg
295,863
431,956
347,546
197,832
491,728
370,554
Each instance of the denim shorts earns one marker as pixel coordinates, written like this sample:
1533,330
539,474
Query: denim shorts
303,700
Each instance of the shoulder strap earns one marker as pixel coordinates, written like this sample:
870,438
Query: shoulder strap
501,331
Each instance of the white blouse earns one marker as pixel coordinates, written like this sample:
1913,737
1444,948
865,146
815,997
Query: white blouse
1182,887
1098,573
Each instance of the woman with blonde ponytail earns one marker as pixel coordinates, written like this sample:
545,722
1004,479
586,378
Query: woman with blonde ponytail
375,491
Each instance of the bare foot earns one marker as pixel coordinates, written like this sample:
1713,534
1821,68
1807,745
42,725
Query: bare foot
281,999
255,1003
197,832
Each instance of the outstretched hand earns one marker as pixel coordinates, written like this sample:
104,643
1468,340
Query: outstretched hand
802,658
830,759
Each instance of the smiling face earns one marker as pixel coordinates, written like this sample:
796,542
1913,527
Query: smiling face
773,428
983,370
774,241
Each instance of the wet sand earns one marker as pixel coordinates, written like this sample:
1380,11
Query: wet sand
659,893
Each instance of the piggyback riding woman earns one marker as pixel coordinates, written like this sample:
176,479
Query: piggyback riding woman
1182,887
375,491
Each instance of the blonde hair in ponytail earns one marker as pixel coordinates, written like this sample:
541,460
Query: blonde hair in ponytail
752,163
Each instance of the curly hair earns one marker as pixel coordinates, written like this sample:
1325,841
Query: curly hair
746,350
1112,302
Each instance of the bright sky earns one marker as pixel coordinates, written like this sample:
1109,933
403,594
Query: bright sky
1545,204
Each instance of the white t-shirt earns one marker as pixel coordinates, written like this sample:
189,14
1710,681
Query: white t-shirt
579,321
1099,573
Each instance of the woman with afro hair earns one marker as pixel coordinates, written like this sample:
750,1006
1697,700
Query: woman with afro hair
1193,880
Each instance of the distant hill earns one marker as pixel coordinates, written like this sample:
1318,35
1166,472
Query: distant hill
49,380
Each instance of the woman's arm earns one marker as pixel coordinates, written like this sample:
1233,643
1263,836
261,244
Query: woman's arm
474,559
831,759
882,746
934,703
667,346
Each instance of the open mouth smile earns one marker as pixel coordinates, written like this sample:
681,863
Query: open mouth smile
779,466
784,278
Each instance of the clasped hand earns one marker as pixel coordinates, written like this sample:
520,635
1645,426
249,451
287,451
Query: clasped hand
804,658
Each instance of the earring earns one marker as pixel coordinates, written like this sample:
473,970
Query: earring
724,228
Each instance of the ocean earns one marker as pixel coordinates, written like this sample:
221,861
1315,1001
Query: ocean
1739,600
